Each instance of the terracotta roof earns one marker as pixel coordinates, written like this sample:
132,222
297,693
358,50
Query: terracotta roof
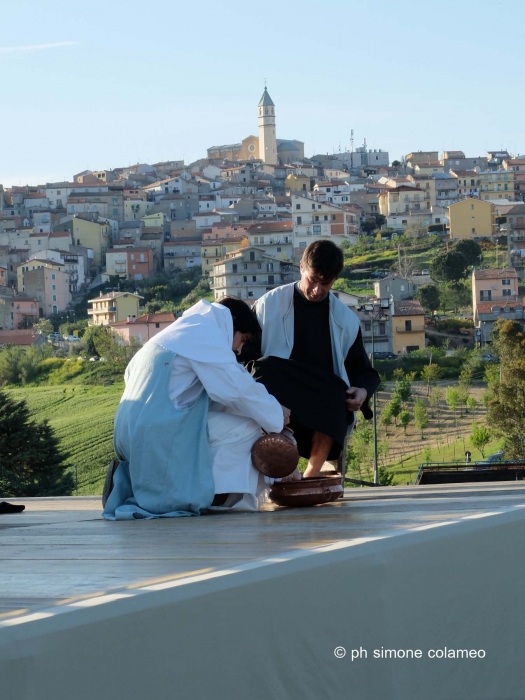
19,337
183,241
464,173
486,307
408,308
495,274
36,195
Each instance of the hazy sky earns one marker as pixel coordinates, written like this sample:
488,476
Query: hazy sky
108,83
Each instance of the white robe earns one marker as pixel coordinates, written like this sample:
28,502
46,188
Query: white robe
239,407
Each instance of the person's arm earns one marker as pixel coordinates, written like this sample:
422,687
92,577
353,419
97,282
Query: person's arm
361,373
231,385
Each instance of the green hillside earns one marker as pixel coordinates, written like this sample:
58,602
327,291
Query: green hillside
82,417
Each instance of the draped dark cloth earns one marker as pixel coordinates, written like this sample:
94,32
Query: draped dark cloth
306,383
315,397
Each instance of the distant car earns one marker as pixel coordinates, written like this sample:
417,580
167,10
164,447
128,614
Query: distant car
425,272
55,336
73,338
415,273
487,357
378,274
379,355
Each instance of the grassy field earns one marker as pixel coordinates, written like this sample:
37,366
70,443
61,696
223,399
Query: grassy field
82,417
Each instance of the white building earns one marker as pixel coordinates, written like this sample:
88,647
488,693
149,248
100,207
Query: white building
249,273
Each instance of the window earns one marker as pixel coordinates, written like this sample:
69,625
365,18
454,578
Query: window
325,217
53,287
278,250
245,278
254,278
54,297
115,212
53,276
259,266
485,295
271,279
506,292
250,294
252,256
316,218
368,326
297,206
317,229
408,325
473,230
313,206
333,217
299,220
234,267
269,267
382,328
157,325
245,266
505,282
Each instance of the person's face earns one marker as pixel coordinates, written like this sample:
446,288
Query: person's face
239,339
312,286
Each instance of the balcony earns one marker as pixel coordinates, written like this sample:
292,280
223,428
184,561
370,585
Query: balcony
402,329
112,309
501,301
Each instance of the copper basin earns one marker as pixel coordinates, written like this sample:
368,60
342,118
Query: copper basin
307,492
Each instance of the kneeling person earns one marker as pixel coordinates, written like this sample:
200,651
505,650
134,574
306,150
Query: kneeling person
188,418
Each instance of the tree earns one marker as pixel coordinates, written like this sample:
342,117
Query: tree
470,250
428,295
44,327
31,462
403,389
449,267
472,404
404,419
394,407
421,415
453,399
434,399
385,477
386,417
480,437
396,164
430,375
454,295
506,411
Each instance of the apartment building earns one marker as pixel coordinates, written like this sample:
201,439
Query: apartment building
112,307
516,239
249,273
471,218
494,296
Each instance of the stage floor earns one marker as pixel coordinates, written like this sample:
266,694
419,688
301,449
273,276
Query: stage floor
60,549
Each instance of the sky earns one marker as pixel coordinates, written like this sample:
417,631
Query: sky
109,83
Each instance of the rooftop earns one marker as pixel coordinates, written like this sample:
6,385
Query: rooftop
408,308
495,274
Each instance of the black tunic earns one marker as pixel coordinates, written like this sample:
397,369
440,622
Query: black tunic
306,383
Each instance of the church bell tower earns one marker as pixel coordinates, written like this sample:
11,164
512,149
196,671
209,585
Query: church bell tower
267,138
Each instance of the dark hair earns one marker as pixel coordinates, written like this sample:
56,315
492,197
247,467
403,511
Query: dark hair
244,320
325,259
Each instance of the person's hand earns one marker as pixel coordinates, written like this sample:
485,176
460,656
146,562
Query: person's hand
355,398
286,415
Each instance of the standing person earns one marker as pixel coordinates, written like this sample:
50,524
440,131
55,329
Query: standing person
314,360
188,419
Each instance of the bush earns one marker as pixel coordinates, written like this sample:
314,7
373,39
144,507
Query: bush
454,325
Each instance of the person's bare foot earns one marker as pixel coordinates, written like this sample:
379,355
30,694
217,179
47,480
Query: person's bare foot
294,476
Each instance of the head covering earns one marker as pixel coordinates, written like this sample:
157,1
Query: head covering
204,333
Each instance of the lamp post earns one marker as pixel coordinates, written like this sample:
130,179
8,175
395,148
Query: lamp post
369,308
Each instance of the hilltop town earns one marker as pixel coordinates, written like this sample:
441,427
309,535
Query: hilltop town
240,219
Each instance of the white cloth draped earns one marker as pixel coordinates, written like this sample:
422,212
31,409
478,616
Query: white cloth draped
239,406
